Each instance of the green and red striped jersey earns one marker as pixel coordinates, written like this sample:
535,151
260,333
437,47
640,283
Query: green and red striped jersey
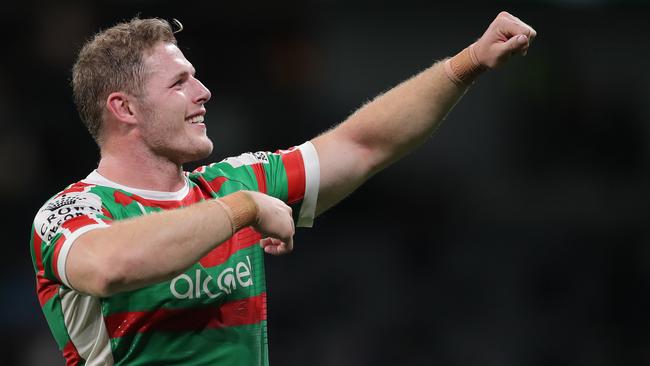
213,314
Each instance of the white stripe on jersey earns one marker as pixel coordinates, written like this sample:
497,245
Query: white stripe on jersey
83,319
97,179
69,240
312,184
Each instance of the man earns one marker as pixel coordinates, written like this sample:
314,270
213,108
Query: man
143,263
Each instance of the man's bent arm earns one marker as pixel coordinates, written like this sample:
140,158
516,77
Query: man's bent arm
401,119
137,252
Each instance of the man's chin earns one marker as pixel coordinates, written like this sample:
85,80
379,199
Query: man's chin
200,152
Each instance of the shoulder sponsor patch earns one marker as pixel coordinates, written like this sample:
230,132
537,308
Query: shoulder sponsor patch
248,158
58,210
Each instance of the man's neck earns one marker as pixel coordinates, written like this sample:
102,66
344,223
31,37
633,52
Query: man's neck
148,173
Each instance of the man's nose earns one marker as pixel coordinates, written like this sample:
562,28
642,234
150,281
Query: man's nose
202,93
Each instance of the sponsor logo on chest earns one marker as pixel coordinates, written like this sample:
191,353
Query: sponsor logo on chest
202,284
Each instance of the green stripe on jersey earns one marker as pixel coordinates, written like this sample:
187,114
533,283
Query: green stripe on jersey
54,317
31,250
240,178
226,282
244,345
48,257
120,210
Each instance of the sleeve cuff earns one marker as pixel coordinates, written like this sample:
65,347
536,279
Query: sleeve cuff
65,249
312,182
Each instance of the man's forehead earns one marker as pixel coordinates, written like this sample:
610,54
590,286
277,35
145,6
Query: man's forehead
167,57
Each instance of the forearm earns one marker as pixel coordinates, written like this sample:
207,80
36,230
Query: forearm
401,119
383,131
137,252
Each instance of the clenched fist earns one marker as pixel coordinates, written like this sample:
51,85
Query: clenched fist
507,35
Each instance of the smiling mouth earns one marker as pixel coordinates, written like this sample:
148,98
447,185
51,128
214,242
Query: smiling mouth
195,119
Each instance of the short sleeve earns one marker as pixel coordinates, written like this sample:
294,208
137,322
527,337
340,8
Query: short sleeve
291,175
296,179
58,224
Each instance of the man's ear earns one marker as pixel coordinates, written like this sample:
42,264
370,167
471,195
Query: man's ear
119,105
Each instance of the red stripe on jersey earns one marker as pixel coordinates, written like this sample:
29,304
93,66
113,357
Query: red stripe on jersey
71,354
295,168
38,242
242,239
195,195
55,257
239,312
78,222
106,213
122,198
213,185
77,187
45,288
260,175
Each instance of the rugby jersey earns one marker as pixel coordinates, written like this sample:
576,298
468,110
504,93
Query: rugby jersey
214,313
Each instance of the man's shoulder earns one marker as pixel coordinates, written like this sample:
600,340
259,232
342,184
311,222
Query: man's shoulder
69,193
77,193
249,159
234,162
76,200
82,197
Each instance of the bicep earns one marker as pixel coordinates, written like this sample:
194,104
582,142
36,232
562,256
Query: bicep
344,166
83,270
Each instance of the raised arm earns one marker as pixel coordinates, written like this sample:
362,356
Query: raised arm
401,119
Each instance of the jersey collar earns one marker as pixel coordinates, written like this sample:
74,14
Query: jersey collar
97,179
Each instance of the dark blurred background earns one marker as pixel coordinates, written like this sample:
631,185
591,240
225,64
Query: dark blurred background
518,235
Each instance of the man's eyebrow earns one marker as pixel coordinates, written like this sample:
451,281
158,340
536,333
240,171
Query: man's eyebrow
183,73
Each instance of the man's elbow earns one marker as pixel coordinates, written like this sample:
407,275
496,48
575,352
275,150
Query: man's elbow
103,280
103,284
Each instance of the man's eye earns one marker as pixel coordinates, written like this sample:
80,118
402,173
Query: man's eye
178,82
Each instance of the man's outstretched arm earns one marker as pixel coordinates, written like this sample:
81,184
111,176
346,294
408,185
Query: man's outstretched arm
401,119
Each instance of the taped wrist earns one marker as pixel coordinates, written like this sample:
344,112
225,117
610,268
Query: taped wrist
463,68
240,209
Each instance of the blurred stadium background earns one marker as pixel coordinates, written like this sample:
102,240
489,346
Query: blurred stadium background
518,235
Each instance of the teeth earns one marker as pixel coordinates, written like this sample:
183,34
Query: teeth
195,119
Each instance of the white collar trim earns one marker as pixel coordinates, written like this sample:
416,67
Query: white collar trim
97,179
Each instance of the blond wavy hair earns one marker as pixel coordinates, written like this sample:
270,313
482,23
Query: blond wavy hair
111,61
